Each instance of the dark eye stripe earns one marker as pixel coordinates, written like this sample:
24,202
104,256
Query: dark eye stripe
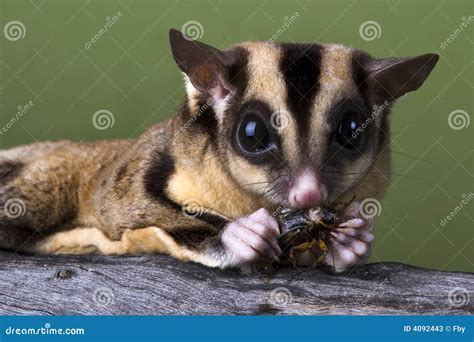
272,158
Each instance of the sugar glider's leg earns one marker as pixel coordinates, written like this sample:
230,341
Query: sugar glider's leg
240,243
78,241
93,240
351,242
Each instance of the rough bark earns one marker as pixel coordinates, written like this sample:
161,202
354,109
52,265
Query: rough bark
160,285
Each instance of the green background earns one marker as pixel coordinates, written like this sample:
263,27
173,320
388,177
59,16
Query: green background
130,72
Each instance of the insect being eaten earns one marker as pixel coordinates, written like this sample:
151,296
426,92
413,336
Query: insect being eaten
308,230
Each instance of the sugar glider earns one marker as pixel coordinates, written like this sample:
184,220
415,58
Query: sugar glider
262,125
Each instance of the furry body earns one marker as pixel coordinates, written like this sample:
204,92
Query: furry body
127,196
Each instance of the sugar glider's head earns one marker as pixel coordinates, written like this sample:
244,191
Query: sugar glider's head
301,124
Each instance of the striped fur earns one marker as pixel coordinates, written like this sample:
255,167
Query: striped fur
278,78
128,196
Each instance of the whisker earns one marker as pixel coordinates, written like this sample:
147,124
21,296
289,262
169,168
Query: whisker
417,158
380,173
410,132
244,185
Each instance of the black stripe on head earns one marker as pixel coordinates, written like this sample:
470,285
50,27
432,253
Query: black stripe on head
301,68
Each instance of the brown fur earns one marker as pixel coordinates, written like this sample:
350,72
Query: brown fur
126,196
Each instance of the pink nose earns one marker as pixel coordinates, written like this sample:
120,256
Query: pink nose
306,191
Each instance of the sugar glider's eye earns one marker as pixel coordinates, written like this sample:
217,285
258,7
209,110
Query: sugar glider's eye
253,134
349,132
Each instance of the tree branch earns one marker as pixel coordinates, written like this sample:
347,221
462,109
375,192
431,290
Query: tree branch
160,285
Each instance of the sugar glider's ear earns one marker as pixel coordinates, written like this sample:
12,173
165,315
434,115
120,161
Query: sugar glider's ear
394,77
205,66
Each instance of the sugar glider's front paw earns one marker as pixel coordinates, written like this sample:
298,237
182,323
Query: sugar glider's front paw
251,239
351,242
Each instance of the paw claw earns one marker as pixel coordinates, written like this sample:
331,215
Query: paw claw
350,242
250,239
354,223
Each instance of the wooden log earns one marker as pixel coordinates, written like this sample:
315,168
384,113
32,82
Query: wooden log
160,285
